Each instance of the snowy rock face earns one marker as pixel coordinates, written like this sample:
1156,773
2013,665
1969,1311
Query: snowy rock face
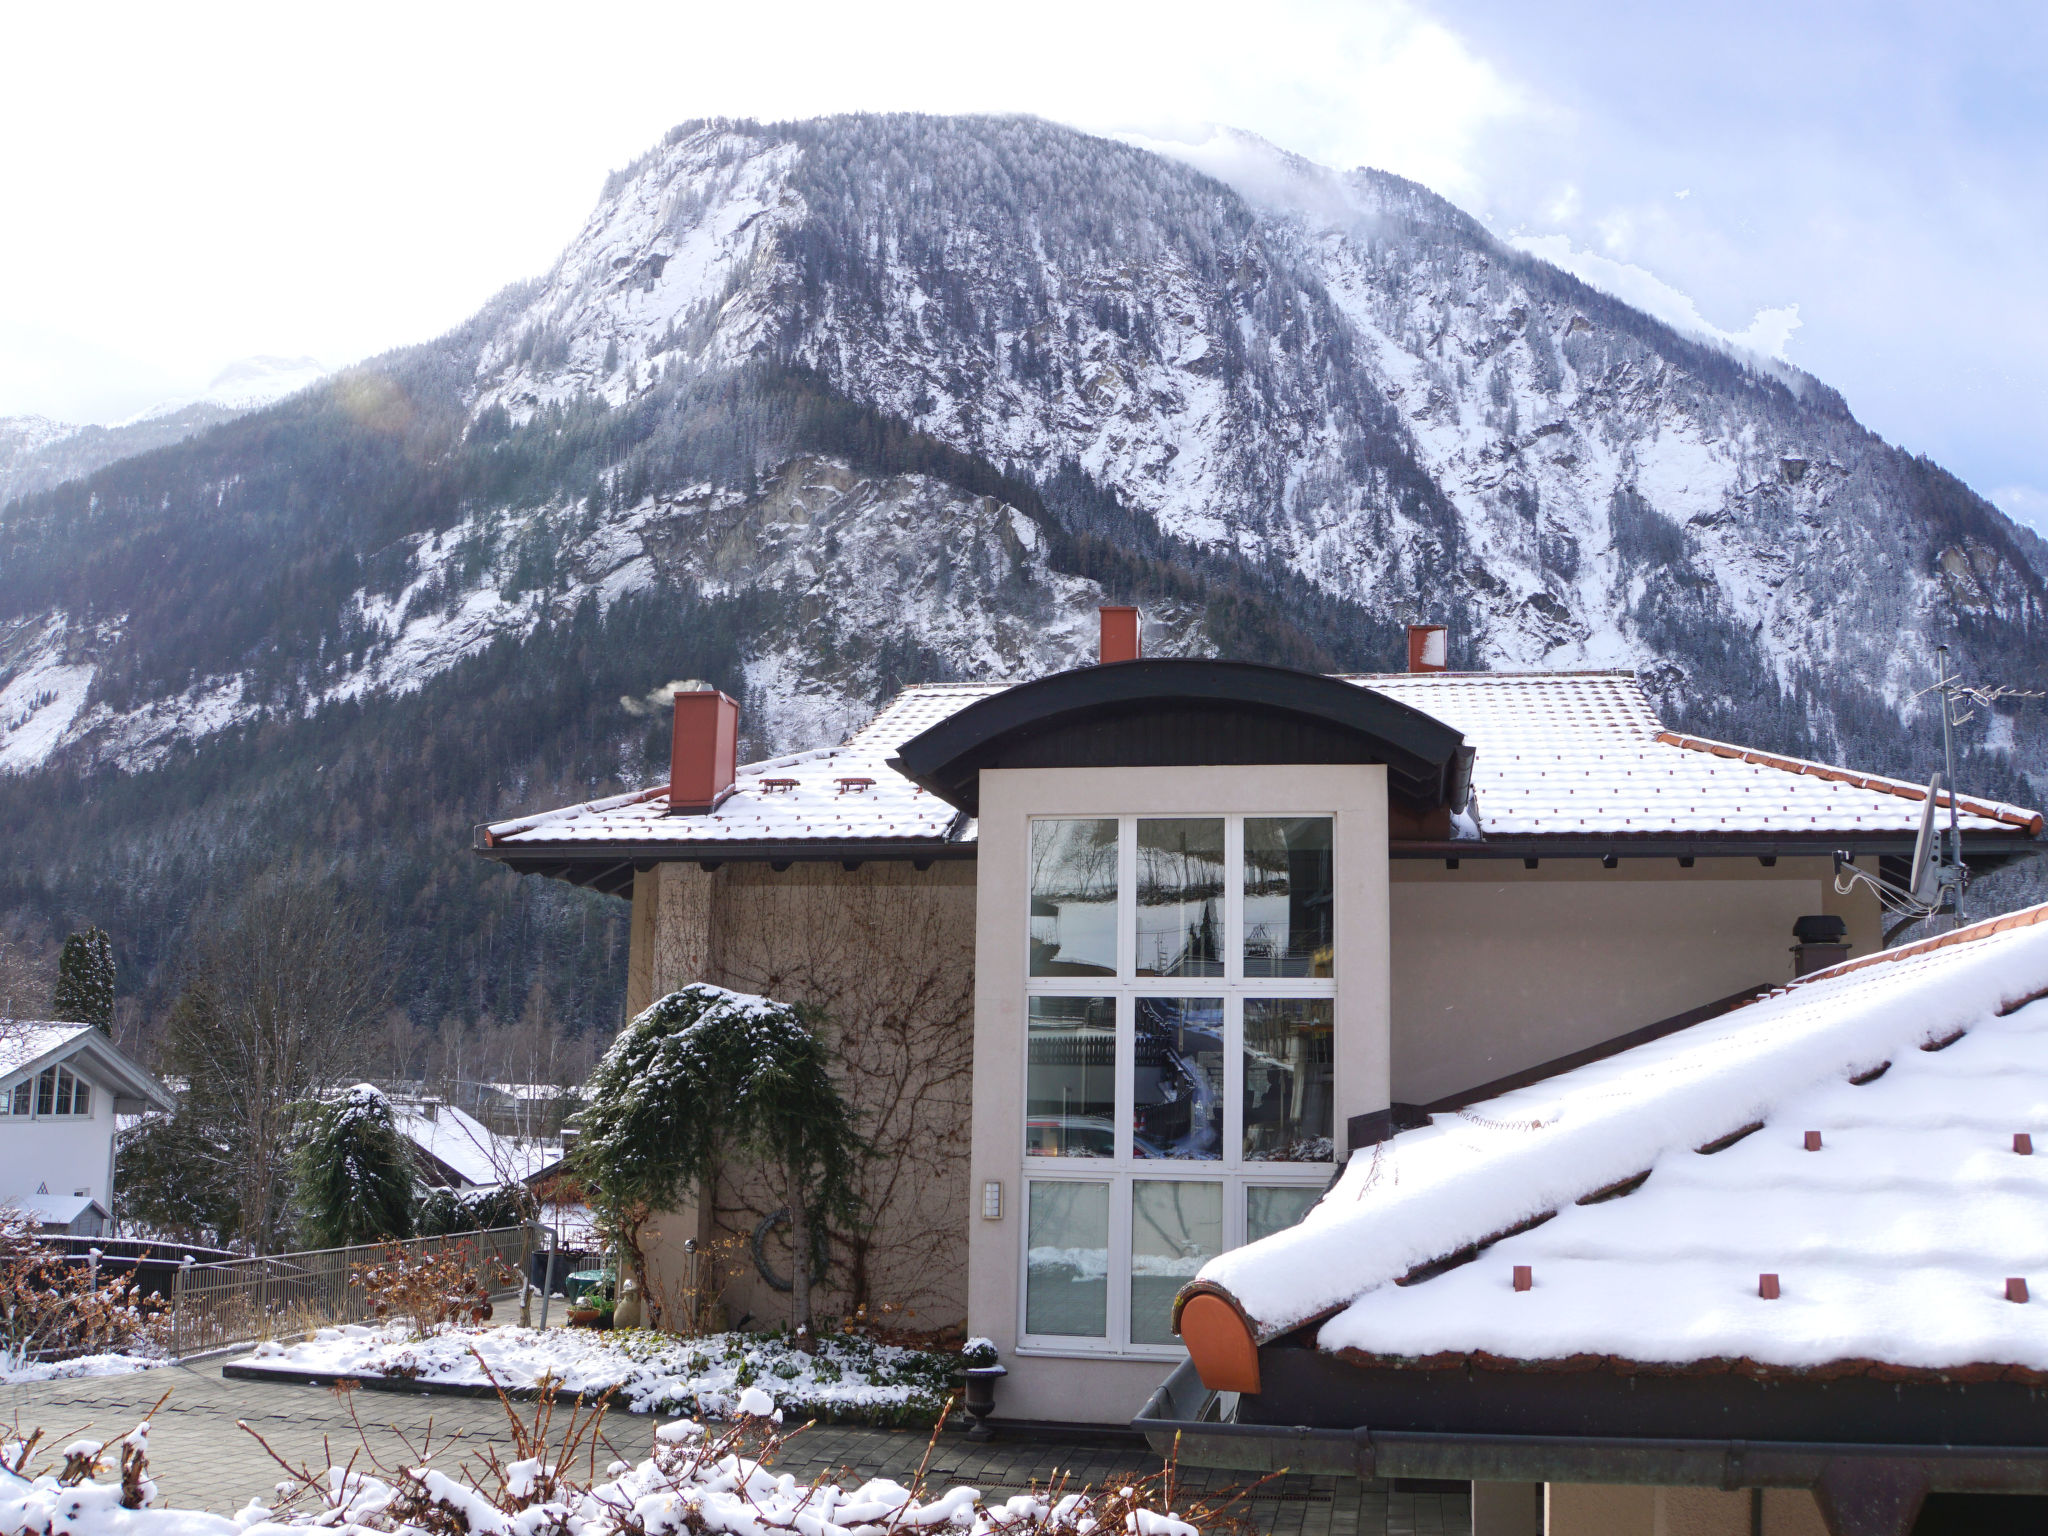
1336,379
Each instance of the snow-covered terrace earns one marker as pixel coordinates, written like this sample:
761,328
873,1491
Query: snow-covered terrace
1863,1136
1558,755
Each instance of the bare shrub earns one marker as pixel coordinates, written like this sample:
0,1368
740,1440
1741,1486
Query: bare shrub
53,1310
430,1291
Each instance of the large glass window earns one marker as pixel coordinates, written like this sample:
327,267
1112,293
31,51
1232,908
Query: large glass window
1176,1228
1073,897
1180,1059
1070,1077
1272,1208
1180,896
1066,1269
1288,896
1289,1079
1177,1078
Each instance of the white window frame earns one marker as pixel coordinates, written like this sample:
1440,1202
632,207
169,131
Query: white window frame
1123,1171
33,1082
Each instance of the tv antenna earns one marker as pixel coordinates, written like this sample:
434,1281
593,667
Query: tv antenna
1936,876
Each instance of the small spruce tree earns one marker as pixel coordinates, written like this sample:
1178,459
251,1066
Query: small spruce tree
355,1176
85,981
706,1075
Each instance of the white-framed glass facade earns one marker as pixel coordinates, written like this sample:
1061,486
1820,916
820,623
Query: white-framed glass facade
1180,1059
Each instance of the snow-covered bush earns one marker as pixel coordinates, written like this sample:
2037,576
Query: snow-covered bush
693,1482
708,1075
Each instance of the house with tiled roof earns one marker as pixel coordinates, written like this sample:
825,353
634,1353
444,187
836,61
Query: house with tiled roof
1146,951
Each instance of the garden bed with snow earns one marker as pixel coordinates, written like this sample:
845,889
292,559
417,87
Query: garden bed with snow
846,1378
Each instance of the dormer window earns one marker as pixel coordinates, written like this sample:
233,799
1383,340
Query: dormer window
53,1093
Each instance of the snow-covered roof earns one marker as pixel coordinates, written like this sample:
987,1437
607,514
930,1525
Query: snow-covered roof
54,1210
470,1148
25,1042
1556,754
1582,753
1893,1242
833,795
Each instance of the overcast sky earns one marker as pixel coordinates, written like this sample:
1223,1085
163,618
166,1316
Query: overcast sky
1862,187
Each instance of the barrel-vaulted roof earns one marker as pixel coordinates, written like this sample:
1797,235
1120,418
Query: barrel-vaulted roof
1163,712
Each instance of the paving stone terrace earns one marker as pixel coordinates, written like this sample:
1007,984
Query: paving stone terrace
202,1459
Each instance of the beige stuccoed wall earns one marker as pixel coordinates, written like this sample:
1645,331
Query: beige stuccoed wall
1605,1509
1497,968
886,952
1098,1388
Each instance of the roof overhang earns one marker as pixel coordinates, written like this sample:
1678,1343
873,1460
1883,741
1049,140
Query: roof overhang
1186,1419
1175,712
610,867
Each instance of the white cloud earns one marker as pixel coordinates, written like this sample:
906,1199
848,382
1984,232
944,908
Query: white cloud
1768,334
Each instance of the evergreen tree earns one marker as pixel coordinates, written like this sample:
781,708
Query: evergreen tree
85,981
355,1175
706,1076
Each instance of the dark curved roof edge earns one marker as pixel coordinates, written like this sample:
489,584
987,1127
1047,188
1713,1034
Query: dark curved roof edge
1160,711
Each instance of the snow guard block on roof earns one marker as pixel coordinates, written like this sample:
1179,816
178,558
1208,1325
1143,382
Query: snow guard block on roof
1175,712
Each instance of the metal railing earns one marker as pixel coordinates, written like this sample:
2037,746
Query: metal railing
243,1301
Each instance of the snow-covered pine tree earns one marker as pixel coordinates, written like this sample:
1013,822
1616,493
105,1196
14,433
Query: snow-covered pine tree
355,1177
85,981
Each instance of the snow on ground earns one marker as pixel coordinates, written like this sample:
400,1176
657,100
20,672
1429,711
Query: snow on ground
84,1365
846,1378
693,1480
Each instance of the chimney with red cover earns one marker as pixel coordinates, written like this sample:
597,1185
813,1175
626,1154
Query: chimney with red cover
1120,635
1428,648
704,757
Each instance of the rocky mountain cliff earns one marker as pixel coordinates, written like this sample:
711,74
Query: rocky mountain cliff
816,409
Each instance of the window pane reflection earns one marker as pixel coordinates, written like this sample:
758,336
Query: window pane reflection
1288,1080
1066,1275
1273,1209
1287,896
1070,1077
1073,898
1178,1086
1176,1227
1180,897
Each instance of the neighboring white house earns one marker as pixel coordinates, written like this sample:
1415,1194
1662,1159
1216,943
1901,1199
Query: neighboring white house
61,1087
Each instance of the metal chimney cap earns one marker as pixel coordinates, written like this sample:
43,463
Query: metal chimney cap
1820,930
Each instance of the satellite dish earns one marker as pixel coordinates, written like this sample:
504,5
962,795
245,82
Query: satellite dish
1924,886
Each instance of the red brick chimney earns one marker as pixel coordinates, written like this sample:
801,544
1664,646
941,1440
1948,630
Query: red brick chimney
1120,635
1428,648
704,757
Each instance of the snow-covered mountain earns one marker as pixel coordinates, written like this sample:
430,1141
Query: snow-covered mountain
873,399
1340,374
